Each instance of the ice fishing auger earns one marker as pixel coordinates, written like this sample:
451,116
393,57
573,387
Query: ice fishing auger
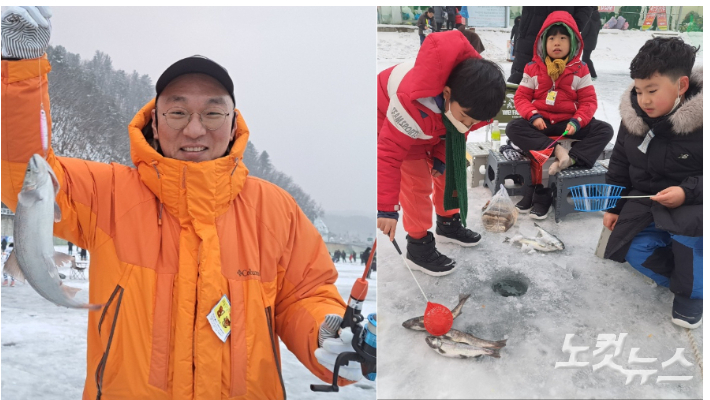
363,339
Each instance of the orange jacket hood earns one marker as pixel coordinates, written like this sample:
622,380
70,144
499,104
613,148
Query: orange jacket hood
164,176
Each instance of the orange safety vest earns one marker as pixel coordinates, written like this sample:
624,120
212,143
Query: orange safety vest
167,240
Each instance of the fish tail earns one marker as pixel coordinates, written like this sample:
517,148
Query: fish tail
500,343
495,353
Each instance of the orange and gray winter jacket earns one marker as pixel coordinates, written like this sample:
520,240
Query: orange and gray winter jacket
168,239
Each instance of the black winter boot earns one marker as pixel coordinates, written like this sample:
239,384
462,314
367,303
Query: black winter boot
687,312
425,258
526,203
542,200
450,230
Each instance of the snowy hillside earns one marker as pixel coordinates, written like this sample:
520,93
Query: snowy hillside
570,292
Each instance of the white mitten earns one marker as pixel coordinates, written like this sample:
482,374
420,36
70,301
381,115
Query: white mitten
331,345
25,31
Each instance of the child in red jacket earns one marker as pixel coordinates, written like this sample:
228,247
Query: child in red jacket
556,94
448,90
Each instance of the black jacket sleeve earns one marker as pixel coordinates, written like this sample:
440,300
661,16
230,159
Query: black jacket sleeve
582,16
618,173
693,188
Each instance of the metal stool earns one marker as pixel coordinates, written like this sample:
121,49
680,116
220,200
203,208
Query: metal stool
77,270
572,176
479,157
500,168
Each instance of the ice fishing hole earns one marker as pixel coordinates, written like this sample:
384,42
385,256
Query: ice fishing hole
510,287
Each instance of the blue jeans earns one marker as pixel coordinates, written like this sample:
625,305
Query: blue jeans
673,261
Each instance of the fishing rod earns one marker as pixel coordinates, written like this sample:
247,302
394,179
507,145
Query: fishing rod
363,339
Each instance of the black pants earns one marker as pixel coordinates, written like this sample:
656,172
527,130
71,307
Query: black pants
592,138
586,57
450,22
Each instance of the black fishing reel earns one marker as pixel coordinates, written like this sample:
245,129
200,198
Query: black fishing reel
364,343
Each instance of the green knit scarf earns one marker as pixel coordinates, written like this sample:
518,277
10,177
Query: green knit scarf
455,191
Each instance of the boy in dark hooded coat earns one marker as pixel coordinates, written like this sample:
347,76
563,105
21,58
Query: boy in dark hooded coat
659,150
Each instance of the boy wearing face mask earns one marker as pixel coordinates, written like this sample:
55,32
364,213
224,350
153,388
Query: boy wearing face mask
446,92
556,95
659,150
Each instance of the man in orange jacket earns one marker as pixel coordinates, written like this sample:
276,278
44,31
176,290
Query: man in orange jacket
184,239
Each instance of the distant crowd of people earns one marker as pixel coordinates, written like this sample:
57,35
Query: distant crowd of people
79,250
441,18
343,256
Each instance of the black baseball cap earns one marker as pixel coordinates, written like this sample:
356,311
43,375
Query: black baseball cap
195,65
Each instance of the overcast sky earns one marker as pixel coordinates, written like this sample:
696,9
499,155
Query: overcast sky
304,79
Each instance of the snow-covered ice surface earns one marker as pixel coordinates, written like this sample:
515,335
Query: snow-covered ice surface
44,346
569,292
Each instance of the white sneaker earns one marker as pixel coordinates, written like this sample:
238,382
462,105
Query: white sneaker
686,324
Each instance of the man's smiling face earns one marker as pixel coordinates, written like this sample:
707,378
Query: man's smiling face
191,94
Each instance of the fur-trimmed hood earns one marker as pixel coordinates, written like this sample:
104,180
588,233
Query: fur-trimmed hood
686,119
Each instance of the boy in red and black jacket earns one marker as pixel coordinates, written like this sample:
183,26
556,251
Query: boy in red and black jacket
448,89
556,94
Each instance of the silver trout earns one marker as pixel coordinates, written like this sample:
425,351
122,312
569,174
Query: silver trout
449,348
417,323
34,257
463,337
542,241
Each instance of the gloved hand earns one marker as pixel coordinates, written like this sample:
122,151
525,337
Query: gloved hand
25,31
331,345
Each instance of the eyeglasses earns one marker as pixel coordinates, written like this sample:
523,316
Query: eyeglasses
211,118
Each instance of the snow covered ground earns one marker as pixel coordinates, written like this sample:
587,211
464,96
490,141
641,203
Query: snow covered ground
44,346
570,292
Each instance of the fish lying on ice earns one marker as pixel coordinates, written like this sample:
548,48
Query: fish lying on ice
417,323
542,241
463,337
456,343
34,257
450,348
